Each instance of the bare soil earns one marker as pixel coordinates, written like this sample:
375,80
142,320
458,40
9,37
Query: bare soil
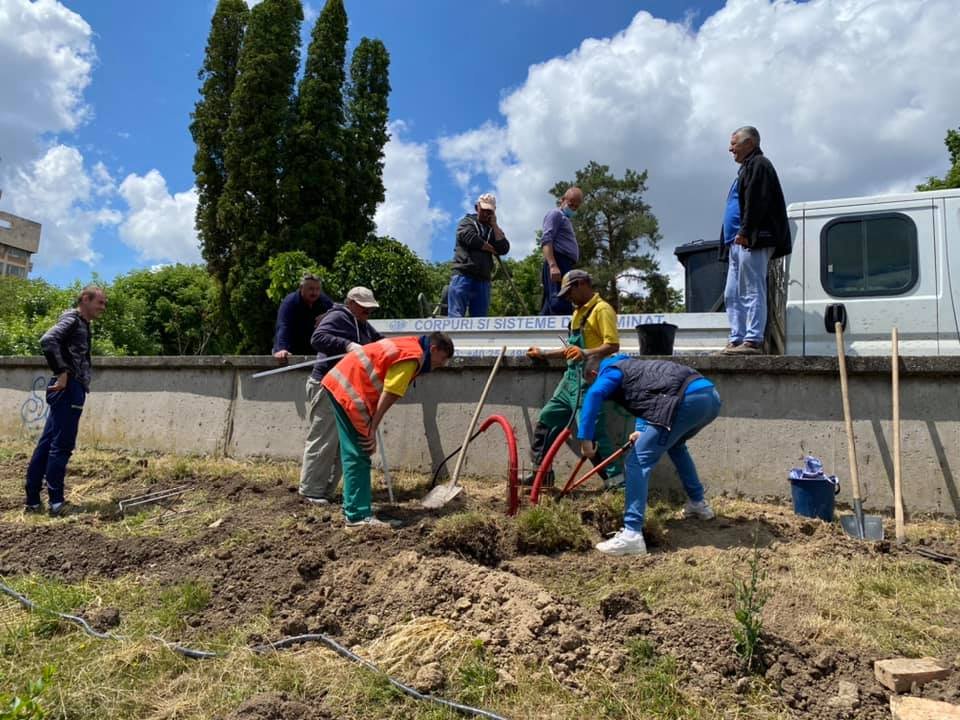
276,556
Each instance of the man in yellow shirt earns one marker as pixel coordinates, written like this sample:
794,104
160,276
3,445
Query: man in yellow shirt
593,332
362,387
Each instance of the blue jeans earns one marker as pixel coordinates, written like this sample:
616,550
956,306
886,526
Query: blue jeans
697,410
56,443
468,294
745,294
553,305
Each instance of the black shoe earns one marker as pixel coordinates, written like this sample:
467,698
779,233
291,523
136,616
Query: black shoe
548,479
33,509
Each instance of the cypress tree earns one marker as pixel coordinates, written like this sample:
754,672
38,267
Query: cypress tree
210,118
366,136
312,185
249,208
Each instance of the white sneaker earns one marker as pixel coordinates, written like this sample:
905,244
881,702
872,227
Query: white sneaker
369,521
700,510
315,500
620,545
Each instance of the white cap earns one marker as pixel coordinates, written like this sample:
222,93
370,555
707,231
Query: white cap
363,297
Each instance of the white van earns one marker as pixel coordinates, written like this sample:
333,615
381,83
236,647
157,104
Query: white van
874,263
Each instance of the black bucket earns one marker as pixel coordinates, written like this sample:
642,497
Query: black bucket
656,338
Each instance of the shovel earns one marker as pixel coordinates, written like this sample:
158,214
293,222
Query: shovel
897,474
442,494
858,525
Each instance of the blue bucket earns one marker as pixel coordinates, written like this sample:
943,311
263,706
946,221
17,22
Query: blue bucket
813,497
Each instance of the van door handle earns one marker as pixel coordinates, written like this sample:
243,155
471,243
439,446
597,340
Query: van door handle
835,314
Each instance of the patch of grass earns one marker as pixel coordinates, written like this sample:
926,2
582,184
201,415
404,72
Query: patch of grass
30,705
550,527
51,595
472,534
640,652
606,512
180,601
477,677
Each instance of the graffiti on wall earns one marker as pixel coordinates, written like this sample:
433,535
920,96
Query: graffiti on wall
33,412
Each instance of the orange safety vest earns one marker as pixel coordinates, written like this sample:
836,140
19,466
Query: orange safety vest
356,382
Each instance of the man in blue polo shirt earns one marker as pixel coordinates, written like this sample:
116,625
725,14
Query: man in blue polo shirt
558,243
671,403
297,318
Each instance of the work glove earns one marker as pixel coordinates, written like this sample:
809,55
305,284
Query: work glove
353,346
572,352
535,353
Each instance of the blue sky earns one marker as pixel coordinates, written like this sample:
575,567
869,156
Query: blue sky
502,95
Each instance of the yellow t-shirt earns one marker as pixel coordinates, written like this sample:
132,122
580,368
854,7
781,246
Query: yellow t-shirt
601,326
399,377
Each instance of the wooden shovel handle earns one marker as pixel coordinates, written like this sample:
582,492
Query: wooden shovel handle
476,415
897,476
848,420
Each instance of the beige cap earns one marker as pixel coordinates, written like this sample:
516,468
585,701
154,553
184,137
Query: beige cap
363,297
487,201
571,279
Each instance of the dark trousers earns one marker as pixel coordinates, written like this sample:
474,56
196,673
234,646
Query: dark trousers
552,305
56,443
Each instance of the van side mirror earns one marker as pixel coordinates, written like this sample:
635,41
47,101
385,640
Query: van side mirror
835,314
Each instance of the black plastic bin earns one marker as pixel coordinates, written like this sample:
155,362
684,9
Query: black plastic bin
704,277
656,338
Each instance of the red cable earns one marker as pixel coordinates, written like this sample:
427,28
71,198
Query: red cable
513,479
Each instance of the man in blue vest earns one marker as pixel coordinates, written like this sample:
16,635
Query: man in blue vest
671,403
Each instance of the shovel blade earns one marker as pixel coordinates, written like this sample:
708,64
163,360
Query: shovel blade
441,495
872,527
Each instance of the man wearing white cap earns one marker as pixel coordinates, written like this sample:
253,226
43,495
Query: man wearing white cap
339,331
479,238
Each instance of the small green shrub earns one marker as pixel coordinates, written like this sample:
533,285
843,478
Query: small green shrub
31,705
551,527
749,600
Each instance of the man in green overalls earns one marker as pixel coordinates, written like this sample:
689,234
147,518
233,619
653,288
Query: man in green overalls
593,332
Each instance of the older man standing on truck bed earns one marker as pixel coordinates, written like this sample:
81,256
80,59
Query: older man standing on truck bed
479,241
558,243
754,231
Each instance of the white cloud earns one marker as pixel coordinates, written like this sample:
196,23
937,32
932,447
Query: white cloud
851,97
406,213
55,190
47,55
160,226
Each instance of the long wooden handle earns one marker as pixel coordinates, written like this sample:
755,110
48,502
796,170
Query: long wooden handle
897,476
476,416
848,420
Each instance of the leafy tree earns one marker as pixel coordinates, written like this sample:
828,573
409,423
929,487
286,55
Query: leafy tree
312,186
526,278
211,117
181,308
366,136
287,269
952,177
617,232
249,208
389,268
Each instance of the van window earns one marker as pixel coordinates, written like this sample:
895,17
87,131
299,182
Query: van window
869,255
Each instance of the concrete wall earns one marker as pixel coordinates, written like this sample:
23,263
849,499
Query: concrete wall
775,410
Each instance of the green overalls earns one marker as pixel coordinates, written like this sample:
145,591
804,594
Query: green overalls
560,410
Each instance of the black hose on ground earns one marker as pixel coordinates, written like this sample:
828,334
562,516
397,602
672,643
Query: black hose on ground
433,480
325,640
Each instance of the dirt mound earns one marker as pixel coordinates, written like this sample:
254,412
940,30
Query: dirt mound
476,538
276,706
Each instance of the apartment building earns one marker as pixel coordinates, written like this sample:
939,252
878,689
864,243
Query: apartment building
19,240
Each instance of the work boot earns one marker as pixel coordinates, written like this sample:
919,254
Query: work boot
614,482
33,509
62,509
625,542
729,348
700,510
747,347
548,479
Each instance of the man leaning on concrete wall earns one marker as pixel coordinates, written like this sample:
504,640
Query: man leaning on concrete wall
342,329
66,346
